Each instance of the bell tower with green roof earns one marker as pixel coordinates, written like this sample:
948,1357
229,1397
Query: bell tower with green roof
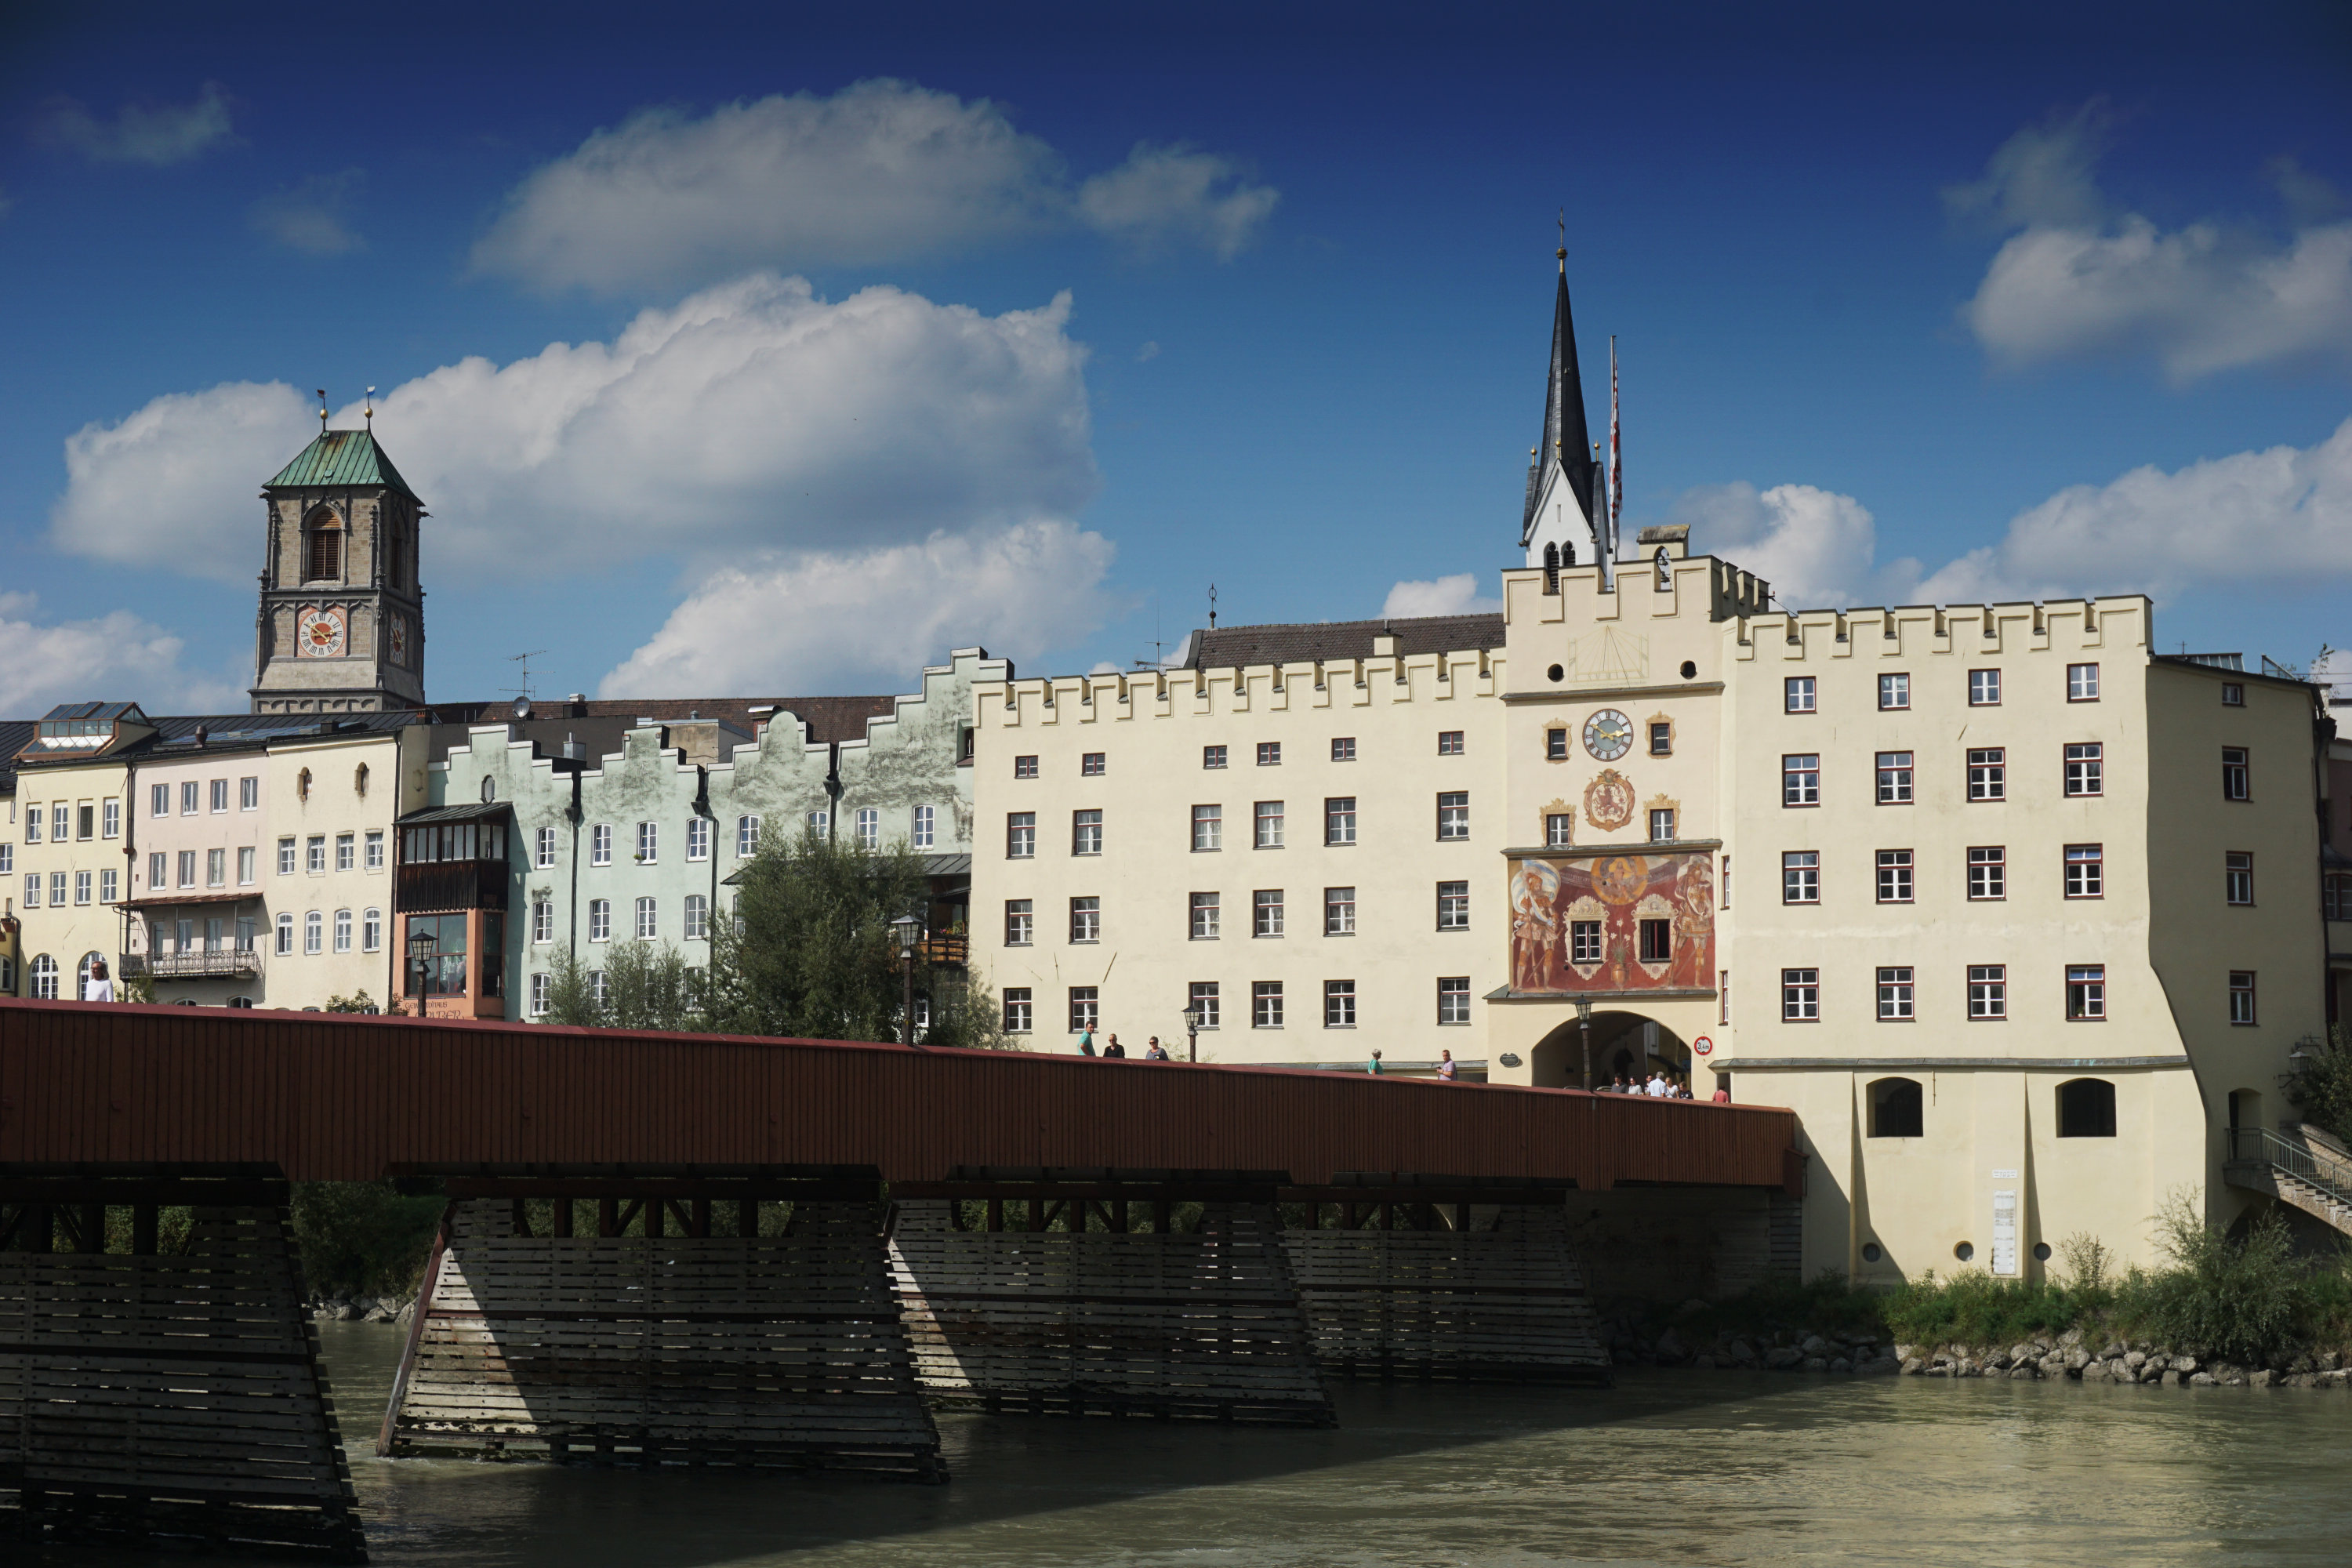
341,625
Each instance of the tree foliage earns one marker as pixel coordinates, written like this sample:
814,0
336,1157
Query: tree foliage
641,985
2321,1083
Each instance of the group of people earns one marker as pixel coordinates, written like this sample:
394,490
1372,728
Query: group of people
1659,1085
1153,1052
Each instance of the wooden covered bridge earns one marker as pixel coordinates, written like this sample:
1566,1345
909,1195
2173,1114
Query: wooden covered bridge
705,1250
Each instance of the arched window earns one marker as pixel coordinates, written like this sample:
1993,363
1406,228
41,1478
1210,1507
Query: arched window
82,975
1897,1108
2086,1109
322,547
1551,568
45,978
1665,573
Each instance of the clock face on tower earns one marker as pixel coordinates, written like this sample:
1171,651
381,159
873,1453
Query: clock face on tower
319,634
399,630
1608,734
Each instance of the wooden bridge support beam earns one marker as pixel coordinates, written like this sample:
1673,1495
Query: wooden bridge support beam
1098,1320
1450,1296
166,1392
777,1351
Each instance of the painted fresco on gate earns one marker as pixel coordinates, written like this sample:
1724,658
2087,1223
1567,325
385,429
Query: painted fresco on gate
1549,898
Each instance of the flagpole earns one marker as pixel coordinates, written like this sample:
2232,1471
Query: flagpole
1616,456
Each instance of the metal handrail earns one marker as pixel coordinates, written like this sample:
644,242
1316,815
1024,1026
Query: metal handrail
2260,1145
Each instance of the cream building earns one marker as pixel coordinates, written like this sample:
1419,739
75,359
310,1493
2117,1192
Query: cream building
73,776
196,869
330,800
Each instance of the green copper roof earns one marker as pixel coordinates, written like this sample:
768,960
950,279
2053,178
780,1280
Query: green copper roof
342,457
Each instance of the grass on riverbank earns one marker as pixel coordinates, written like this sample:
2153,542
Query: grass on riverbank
2247,1296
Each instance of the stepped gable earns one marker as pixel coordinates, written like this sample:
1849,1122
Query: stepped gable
1225,648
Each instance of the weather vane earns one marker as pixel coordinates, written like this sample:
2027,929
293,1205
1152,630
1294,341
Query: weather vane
322,410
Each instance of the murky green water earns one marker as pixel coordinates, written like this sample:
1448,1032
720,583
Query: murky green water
1670,1467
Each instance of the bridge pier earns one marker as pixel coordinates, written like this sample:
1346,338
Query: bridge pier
649,1321
159,1381
1169,1299
1455,1284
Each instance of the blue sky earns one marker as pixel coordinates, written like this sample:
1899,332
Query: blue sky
951,325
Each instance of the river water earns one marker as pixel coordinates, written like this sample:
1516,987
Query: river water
1667,1468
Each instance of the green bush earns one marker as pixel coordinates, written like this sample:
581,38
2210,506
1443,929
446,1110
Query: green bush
2242,1298
363,1238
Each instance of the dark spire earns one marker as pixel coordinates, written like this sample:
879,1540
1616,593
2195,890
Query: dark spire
1566,438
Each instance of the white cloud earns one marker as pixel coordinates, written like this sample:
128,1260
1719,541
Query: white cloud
158,137
880,171
2275,519
1455,595
861,618
2078,280
750,417
1164,196
115,658
311,217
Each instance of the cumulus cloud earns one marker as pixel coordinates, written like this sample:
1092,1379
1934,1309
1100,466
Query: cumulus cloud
158,137
310,218
2273,519
1455,595
1167,195
116,658
2078,279
880,171
861,617
754,415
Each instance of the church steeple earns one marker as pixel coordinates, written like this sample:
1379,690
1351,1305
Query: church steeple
1567,440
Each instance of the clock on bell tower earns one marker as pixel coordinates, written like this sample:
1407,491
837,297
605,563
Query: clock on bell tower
342,622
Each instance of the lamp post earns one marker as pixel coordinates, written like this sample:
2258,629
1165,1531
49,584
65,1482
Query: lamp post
909,932
422,946
1584,1027
1193,1033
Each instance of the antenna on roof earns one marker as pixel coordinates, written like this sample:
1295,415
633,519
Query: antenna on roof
523,690
322,410
369,410
1213,606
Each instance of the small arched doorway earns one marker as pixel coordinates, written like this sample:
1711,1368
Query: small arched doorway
1623,1043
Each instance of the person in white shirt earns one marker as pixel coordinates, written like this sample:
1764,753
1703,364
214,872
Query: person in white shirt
100,986
1656,1087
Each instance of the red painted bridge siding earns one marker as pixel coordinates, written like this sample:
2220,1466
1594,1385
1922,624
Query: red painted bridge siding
346,1098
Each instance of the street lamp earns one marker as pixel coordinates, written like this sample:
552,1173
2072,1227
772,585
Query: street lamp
909,932
1584,1024
1193,1033
422,946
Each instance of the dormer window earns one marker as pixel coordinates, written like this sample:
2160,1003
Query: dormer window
322,547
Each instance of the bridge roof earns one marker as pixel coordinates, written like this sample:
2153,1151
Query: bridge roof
339,1097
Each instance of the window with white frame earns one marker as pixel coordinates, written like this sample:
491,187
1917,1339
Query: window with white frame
1454,815
1449,742
219,796
2234,695
373,857
1559,830
1085,1008
314,855
33,823
2237,774
343,931
371,930
190,794
542,848
541,987
1801,779
159,802
285,935
867,826
1205,910
600,845
1339,819
1894,691
2086,992
1797,694
2241,996
1093,764
1212,756
1584,941
1269,754
1800,996
648,843
346,852
1202,999
2087,768
286,857
697,838
188,867
215,867
2238,876
1025,767
314,931
1555,748
1266,1004
1988,772
600,919
1984,688
1343,748
2081,683
109,816
820,824
925,834
1019,835
110,884
31,889
82,887
1208,828
1661,825
2086,871
1268,816
8,864
1800,876
1895,876
1895,996
1453,906
1987,871
1266,912
1020,922
1086,832
1338,1004
1453,999
249,795
1018,1011
1085,920
1339,911
56,889
1988,990
542,919
647,924
747,837
698,918
599,989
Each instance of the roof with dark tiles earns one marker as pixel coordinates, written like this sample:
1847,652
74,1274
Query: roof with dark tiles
1224,647
828,719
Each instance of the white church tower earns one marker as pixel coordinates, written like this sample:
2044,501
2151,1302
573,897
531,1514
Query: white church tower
1564,525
